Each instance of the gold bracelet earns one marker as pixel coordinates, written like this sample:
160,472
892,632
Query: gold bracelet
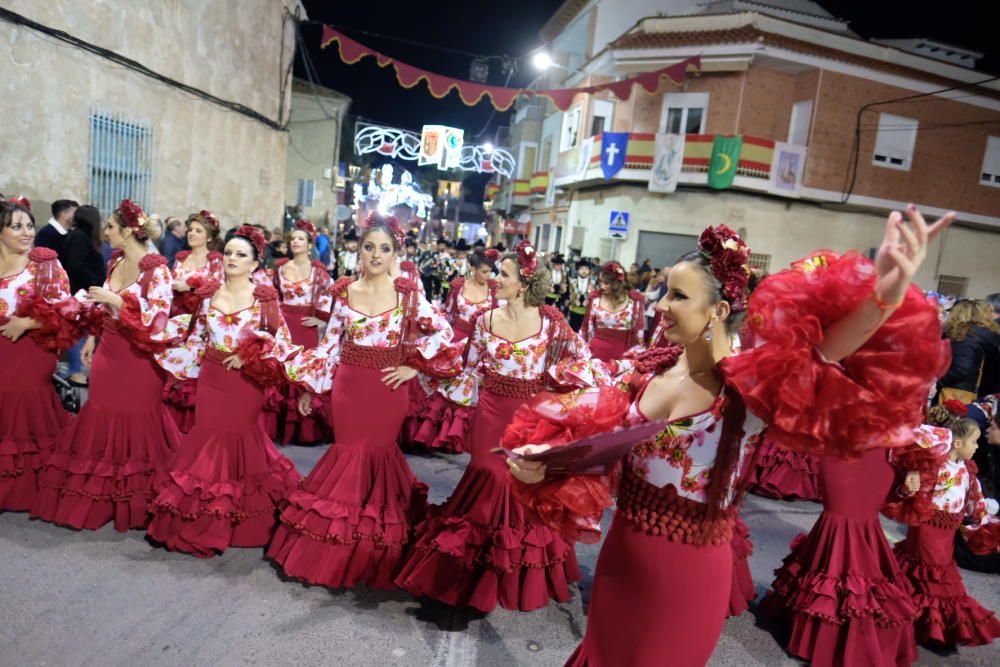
882,305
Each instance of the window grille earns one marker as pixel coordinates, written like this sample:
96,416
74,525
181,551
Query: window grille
955,286
121,161
761,261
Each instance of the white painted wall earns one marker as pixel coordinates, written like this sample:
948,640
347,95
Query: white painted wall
786,230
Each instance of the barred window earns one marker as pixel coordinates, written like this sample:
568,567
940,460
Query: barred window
955,286
307,190
761,261
121,161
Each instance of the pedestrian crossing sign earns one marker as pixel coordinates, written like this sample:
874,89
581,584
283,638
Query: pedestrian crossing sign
618,224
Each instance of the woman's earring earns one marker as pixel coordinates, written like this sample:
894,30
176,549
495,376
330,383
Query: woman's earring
708,333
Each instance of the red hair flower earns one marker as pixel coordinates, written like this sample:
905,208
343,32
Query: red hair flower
492,254
253,235
527,259
956,407
615,270
389,221
207,217
21,201
728,257
134,217
308,227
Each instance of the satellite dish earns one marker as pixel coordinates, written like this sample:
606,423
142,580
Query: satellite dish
342,213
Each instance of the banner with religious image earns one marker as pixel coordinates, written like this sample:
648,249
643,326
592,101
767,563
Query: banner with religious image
668,158
786,169
614,146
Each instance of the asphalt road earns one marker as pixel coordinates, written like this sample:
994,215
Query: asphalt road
103,598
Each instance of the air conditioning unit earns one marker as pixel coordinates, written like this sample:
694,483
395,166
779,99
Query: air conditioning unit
328,173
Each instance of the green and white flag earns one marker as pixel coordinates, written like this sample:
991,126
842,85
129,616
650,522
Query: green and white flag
725,158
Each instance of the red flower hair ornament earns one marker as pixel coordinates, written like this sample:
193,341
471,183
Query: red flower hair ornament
209,218
21,201
956,407
527,259
615,270
308,227
390,221
728,257
134,217
253,235
492,254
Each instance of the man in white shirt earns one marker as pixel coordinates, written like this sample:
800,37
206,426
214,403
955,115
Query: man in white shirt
53,234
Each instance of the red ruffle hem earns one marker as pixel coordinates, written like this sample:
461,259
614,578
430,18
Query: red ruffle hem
479,549
31,419
351,518
227,481
840,594
784,474
947,613
104,465
437,423
285,424
742,591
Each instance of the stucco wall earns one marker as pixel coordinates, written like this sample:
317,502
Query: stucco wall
205,156
314,147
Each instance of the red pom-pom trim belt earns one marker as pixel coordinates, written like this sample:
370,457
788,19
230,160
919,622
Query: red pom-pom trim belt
509,387
370,357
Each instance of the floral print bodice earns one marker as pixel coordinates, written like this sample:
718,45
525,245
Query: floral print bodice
21,285
468,311
300,292
148,310
953,491
606,319
223,332
315,368
684,453
522,360
212,270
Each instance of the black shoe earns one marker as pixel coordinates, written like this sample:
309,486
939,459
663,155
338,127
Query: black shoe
943,650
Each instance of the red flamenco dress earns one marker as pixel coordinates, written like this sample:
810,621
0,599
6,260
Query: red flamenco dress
436,422
31,415
352,517
309,297
226,483
670,549
479,549
179,394
784,474
611,334
742,591
839,597
105,462
949,494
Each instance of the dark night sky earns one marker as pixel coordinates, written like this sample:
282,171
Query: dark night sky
511,27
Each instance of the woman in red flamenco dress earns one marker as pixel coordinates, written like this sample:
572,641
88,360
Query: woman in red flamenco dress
615,319
949,493
226,483
784,474
105,462
33,287
303,286
822,363
479,549
200,265
352,517
436,422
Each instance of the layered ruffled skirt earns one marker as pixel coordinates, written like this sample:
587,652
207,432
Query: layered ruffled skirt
840,596
479,549
351,518
31,418
784,474
105,463
742,590
227,481
948,615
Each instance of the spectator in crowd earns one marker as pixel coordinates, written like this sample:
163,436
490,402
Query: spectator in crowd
83,261
323,249
53,235
646,272
174,240
655,290
994,301
975,352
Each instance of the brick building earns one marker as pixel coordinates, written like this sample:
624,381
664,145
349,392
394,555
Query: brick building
784,74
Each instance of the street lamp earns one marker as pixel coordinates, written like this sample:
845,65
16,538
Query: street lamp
487,147
542,61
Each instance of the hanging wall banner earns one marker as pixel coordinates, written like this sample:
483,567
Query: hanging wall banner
786,169
668,157
501,98
614,146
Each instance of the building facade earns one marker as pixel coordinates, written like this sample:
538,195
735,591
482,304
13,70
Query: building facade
313,181
195,118
788,78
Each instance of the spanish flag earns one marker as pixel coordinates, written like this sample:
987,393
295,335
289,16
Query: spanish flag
725,158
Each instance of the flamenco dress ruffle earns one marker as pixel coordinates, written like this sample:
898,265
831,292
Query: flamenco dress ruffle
227,482
743,591
282,421
179,397
840,595
31,419
948,615
351,518
480,549
784,474
106,461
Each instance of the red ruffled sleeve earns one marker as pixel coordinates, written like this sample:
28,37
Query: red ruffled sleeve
983,538
873,398
572,505
258,362
50,304
143,336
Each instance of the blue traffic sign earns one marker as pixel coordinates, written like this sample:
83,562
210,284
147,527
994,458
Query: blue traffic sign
618,221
